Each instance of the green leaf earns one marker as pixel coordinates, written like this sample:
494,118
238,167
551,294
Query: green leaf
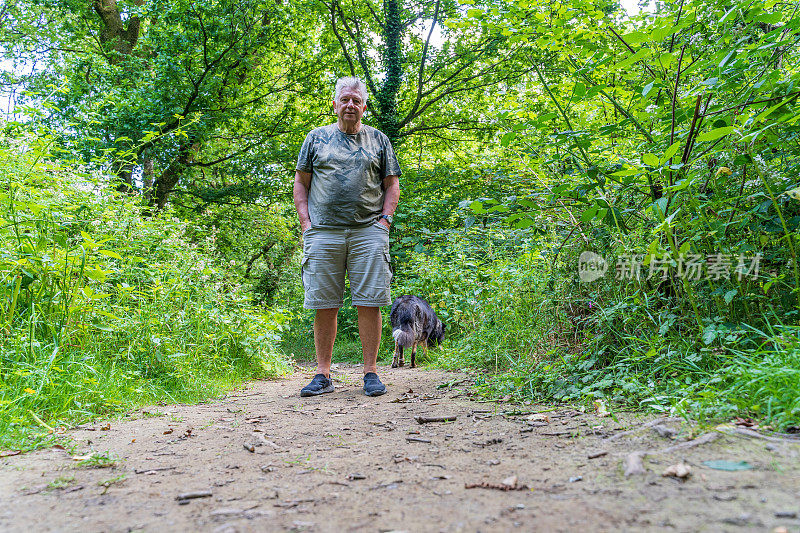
109,253
641,54
662,32
709,335
507,138
731,55
768,284
770,18
650,159
523,223
730,466
635,37
671,151
767,112
661,207
35,208
731,11
715,134
612,217
729,295
589,214
96,274
627,172
477,207
666,59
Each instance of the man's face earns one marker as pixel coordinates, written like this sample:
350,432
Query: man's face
349,107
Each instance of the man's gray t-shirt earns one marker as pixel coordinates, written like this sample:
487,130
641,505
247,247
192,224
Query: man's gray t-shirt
347,173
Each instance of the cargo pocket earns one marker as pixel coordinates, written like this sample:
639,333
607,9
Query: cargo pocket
389,268
303,264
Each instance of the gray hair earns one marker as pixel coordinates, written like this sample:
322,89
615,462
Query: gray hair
350,82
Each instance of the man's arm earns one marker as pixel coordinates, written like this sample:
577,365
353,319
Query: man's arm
391,184
302,182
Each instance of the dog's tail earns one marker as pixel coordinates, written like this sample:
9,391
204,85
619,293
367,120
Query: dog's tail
403,338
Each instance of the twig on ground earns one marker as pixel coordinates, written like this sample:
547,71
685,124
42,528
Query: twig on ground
293,503
644,426
193,495
634,461
757,435
430,419
509,484
148,470
702,439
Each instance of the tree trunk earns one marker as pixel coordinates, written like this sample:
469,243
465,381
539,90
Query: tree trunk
389,122
168,179
148,172
121,39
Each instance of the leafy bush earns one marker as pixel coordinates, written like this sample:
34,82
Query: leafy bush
102,309
545,336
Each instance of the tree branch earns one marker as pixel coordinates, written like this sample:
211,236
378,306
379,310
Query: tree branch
362,60
415,107
335,29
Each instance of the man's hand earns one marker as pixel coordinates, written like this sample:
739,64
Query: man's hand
302,181
391,184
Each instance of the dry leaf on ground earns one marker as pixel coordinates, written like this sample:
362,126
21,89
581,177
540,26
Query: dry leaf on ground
679,470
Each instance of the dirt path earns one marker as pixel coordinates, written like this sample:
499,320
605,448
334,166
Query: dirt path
273,461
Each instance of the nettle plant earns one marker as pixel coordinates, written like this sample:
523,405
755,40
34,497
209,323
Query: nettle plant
679,127
102,308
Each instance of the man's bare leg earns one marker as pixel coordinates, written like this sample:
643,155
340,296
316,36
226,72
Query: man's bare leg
369,329
324,335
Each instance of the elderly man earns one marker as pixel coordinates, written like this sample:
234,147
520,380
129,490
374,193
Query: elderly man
346,189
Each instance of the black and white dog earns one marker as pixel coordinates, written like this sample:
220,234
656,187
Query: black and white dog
413,323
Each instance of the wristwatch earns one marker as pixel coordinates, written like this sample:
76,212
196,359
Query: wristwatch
387,217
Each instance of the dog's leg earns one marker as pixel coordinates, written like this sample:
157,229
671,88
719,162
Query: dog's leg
402,361
396,352
414,356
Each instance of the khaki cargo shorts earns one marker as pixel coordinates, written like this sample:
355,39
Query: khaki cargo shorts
361,252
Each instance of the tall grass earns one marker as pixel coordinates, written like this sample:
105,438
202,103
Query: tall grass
103,309
521,313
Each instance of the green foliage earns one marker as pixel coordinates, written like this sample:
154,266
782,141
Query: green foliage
531,132
198,94
545,336
668,136
102,309
257,244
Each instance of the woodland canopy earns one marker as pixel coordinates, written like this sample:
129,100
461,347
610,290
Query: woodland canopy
599,204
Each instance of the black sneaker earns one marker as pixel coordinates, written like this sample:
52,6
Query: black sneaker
373,385
319,385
